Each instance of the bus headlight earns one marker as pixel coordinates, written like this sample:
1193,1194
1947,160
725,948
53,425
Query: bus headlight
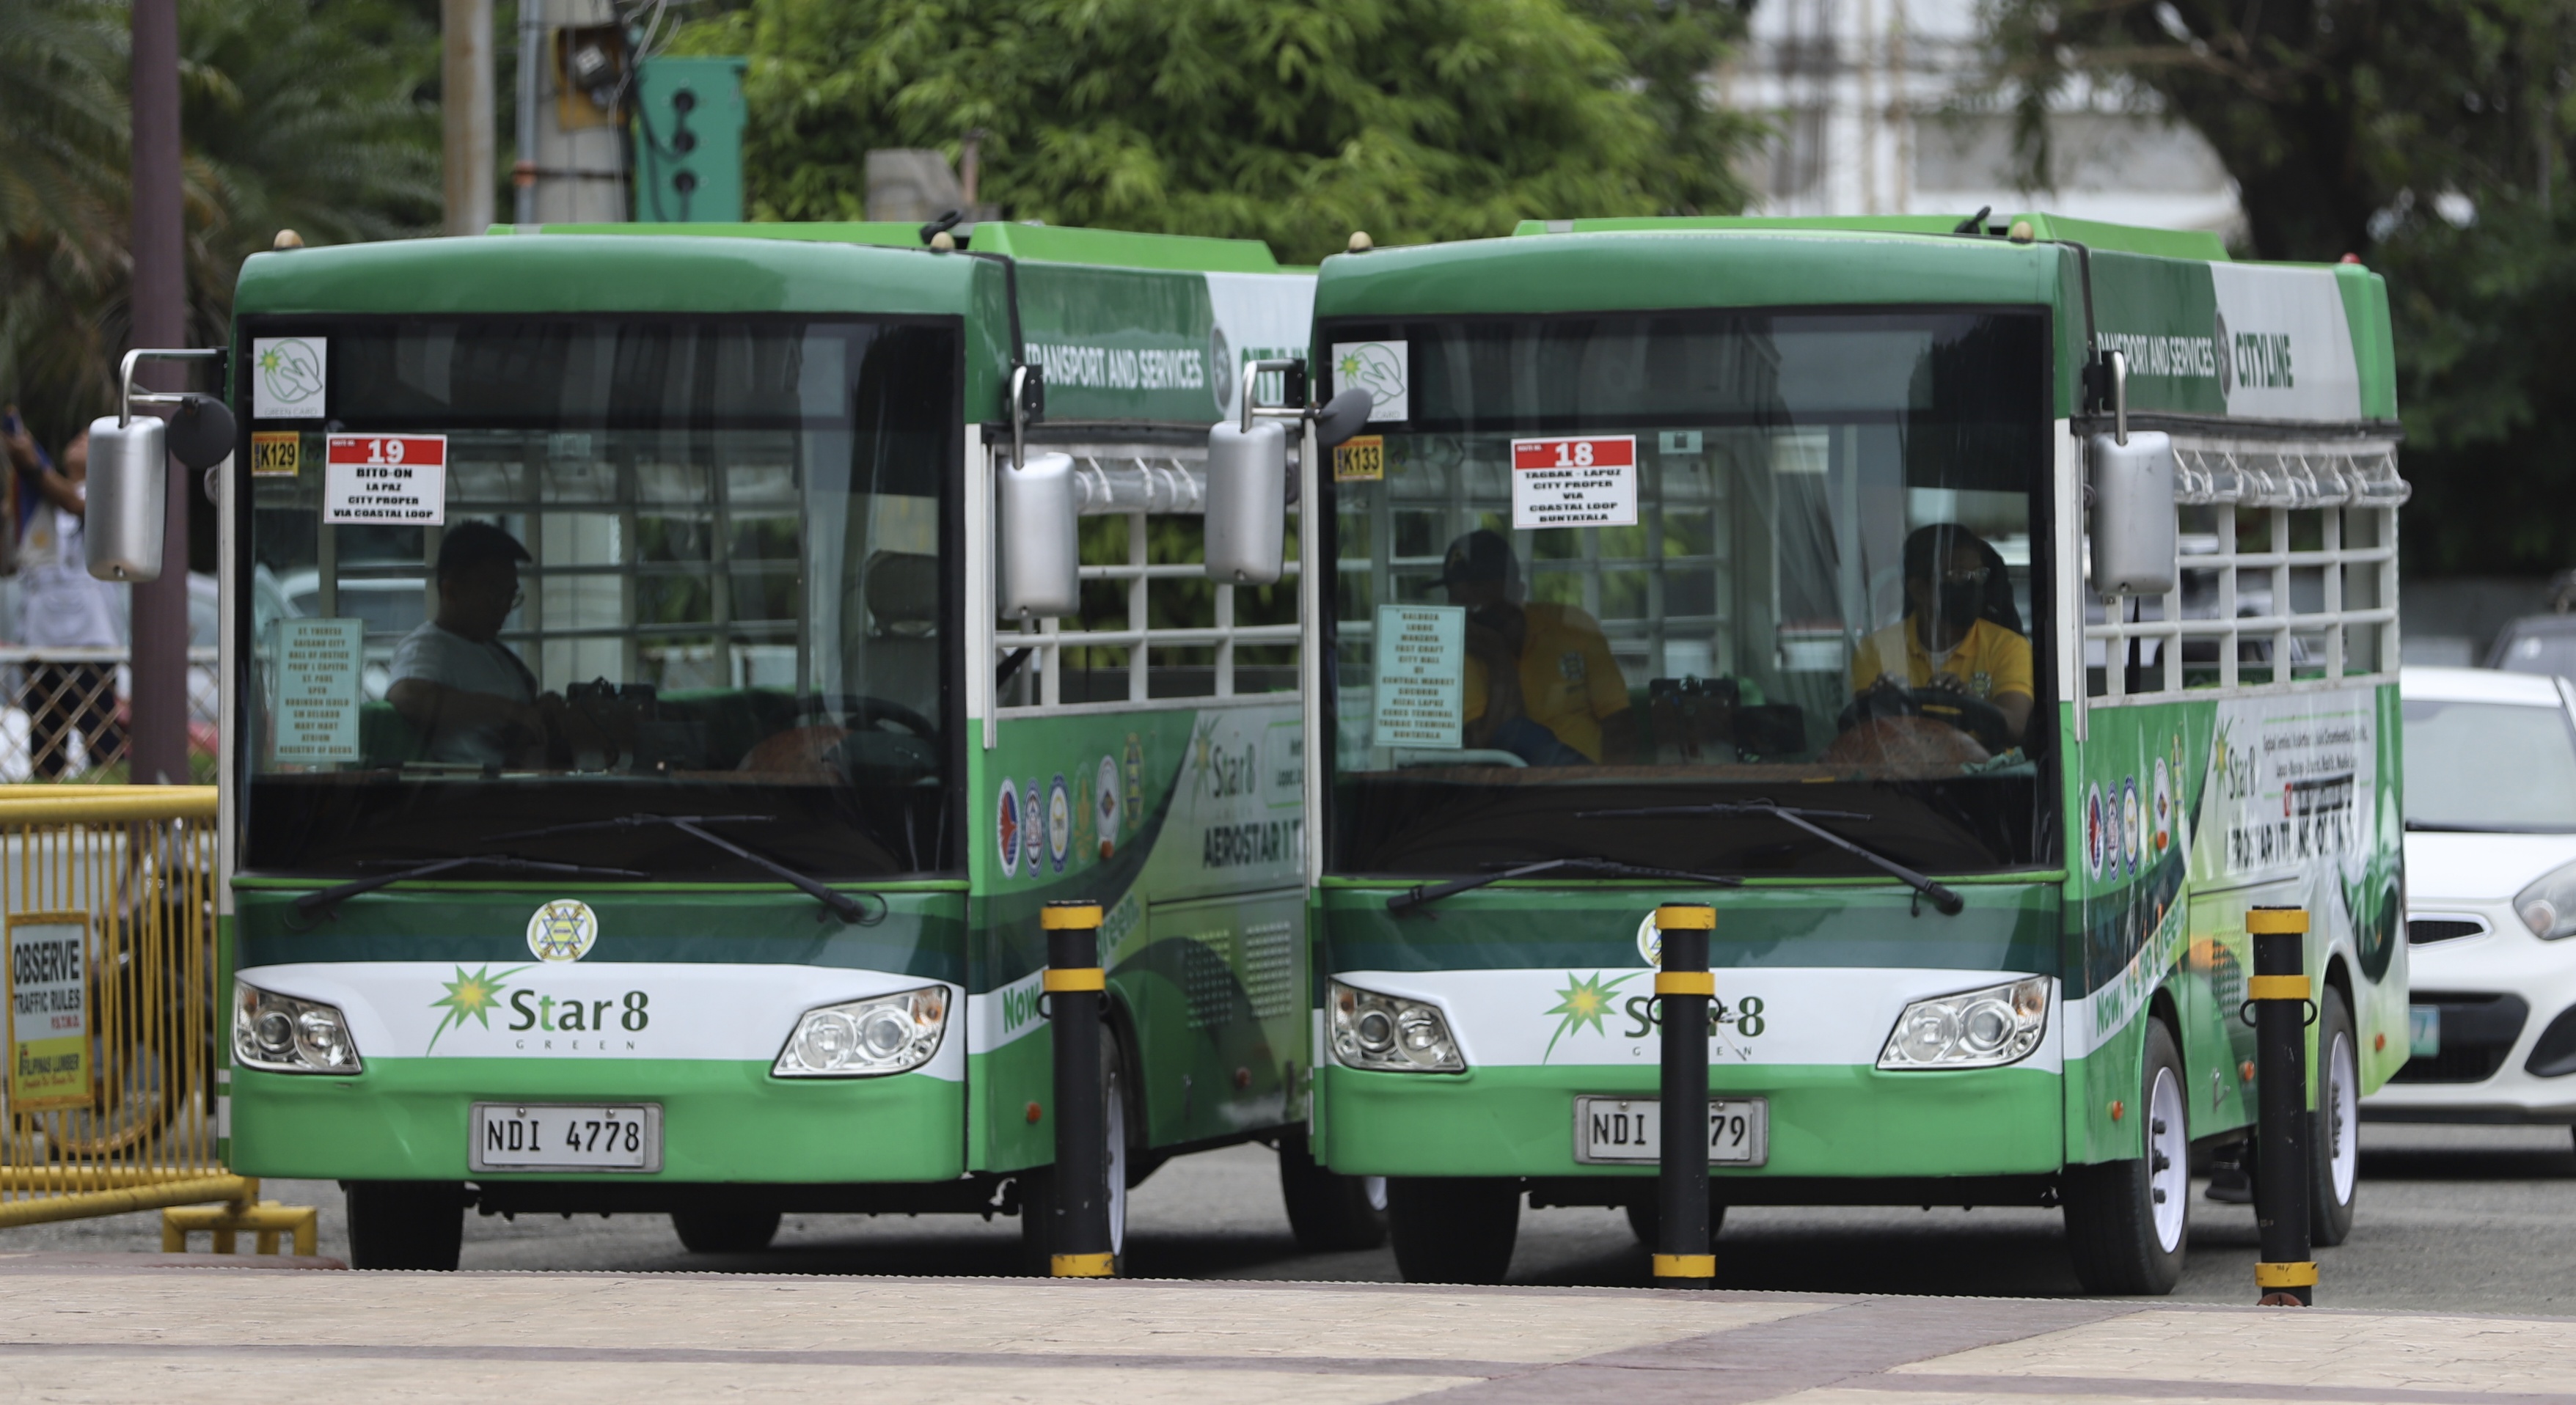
282,1034
1389,1034
866,1038
1986,1028
2548,907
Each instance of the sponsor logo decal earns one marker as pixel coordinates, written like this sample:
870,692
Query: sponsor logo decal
2132,836
2164,809
2096,831
563,930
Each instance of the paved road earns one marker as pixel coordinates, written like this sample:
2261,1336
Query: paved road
2452,1219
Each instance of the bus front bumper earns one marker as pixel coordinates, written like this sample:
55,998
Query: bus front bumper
1824,1121
722,1120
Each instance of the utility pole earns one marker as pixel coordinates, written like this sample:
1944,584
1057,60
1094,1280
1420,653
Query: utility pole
465,88
574,75
157,739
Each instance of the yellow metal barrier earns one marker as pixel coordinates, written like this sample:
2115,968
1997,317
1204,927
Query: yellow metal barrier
107,1102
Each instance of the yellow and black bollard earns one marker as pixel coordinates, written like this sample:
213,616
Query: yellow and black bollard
1078,1208
2279,993
1683,988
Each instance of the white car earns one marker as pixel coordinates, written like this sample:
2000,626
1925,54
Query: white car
2490,899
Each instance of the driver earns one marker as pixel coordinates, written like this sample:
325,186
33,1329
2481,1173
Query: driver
1946,641
1540,680
453,679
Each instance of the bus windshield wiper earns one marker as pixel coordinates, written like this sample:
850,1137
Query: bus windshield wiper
1416,896
842,904
313,902
1946,901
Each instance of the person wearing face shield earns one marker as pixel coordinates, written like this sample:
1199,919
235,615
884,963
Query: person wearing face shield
1951,640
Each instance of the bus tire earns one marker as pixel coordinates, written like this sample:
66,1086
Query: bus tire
1452,1229
2334,1161
725,1231
1645,1217
2129,1222
1037,1184
406,1224
1326,1211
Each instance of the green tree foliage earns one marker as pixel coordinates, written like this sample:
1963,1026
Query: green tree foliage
2425,136
301,114
1293,121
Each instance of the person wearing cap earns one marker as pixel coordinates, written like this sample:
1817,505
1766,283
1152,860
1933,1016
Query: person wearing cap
1949,640
469,696
1540,680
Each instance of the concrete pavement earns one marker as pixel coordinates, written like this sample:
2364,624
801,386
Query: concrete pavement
100,1331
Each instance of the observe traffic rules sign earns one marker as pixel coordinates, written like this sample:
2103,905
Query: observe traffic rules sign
397,480
48,1010
1580,482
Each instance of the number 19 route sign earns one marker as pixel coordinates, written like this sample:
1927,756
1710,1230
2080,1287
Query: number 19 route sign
395,480
1584,482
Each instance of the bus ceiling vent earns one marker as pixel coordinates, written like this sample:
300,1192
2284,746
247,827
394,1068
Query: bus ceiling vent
1360,242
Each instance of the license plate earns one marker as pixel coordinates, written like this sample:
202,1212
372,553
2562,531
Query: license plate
1629,1131
566,1137
2423,1031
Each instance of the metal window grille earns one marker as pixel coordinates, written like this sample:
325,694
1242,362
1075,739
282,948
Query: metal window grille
1139,484
2286,575
63,712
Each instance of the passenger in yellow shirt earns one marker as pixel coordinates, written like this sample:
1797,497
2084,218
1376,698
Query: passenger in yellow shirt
1540,680
1950,640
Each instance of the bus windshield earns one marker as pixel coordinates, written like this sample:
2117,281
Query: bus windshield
1632,561
662,566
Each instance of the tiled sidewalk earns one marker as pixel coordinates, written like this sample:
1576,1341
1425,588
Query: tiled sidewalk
96,1330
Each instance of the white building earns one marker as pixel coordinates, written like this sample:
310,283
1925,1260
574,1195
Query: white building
1877,113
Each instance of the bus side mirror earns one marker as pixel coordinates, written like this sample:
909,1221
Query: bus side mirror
1247,502
128,497
2133,513
1040,553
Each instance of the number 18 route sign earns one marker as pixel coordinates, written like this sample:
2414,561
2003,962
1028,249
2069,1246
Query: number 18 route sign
1583,482
394,479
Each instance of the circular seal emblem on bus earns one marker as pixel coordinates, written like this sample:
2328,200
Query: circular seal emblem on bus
2132,824
1112,808
563,930
2096,831
1650,939
1006,827
1059,821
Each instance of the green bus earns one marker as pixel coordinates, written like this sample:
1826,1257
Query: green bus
1981,616
634,798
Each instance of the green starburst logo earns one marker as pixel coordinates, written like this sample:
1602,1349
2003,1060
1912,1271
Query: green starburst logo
471,996
1582,1002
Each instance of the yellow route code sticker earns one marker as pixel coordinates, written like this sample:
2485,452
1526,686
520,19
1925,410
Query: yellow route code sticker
1360,460
276,453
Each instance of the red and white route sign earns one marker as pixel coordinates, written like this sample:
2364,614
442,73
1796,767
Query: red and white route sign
392,479
1589,481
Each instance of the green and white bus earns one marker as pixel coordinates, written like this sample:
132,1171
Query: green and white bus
652,812
1749,562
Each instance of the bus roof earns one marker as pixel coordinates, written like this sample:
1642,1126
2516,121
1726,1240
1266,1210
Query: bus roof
2205,336
2047,228
1028,243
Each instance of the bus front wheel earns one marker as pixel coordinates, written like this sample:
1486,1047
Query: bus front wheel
1328,1211
1452,1229
725,1231
2334,1160
1037,1184
406,1224
2127,1222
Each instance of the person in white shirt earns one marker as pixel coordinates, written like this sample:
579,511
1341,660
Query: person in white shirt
63,606
469,696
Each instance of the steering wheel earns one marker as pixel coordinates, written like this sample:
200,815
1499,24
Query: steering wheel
870,712
1974,716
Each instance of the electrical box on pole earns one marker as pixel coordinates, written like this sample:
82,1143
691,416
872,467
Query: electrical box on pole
688,140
